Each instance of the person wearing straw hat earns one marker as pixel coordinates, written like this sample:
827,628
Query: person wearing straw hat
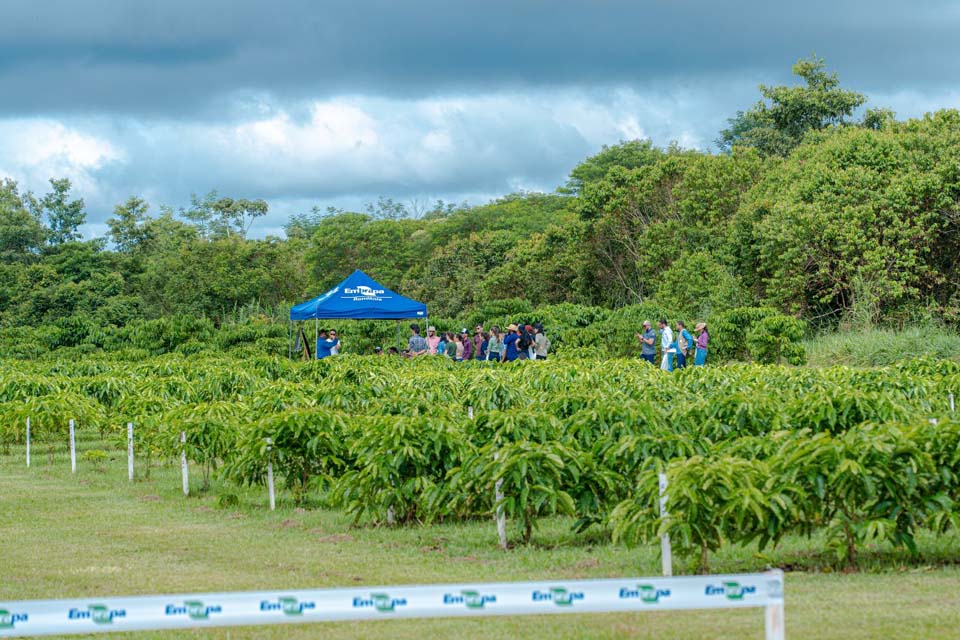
703,337
510,351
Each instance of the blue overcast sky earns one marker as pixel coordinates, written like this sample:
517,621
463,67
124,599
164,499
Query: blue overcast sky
337,102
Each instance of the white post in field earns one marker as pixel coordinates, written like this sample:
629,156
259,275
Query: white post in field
666,553
130,451
501,516
28,441
183,463
952,409
773,613
73,448
273,501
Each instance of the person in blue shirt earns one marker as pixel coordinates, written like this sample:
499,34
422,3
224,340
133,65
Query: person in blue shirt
684,344
324,344
327,345
510,351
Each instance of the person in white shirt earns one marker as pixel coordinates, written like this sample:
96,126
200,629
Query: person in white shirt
667,347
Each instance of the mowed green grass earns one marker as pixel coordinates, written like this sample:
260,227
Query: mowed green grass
95,534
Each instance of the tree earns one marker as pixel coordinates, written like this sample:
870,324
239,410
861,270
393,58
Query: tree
223,217
778,127
64,216
128,228
22,234
630,155
857,219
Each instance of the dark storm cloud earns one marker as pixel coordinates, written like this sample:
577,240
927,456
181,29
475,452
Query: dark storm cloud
177,57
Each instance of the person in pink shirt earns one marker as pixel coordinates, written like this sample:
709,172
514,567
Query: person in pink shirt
432,340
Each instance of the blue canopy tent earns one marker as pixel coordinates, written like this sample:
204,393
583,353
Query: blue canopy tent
358,297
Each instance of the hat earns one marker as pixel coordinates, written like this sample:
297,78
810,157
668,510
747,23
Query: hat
464,330
431,328
378,349
528,328
700,326
646,323
512,327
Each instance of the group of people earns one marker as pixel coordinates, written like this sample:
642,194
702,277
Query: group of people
529,342
519,342
680,346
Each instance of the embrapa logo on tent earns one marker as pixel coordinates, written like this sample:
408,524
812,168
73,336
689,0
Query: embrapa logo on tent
363,291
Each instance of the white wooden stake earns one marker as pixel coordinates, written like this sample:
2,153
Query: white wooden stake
73,448
28,441
773,613
666,553
273,502
130,451
952,409
501,516
470,412
183,463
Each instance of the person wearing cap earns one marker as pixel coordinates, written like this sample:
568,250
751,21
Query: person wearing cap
648,340
416,345
433,340
378,351
703,337
510,351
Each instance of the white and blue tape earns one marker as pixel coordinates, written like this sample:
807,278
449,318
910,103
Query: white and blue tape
197,610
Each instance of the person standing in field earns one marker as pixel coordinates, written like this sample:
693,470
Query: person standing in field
541,343
684,344
458,341
416,345
648,341
478,338
703,338
433,340
467,345
510,350
335,347
451,346
494,344
323,345
667,346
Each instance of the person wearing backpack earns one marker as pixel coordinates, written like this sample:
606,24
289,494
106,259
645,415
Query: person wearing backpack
524,342
685,344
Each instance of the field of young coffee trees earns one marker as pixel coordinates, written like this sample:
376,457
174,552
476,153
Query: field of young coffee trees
752,453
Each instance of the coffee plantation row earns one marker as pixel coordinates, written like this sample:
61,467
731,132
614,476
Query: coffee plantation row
752,453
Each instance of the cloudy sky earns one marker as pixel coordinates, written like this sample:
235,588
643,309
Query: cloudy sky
323,102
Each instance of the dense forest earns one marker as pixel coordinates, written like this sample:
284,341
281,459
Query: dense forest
816,209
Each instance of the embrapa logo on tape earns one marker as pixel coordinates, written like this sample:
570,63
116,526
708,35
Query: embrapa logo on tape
380,601
193,609
646,593
289,606
98,613
558,595
9,620
470,599
732,590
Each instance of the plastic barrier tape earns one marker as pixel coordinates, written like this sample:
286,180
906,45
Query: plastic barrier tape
43,617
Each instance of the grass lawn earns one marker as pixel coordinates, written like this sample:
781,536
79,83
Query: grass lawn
95,534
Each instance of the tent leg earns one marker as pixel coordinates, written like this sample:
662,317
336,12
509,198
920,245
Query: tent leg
399,339
290,341
316,332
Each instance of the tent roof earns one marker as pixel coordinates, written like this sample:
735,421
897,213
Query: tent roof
359,297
